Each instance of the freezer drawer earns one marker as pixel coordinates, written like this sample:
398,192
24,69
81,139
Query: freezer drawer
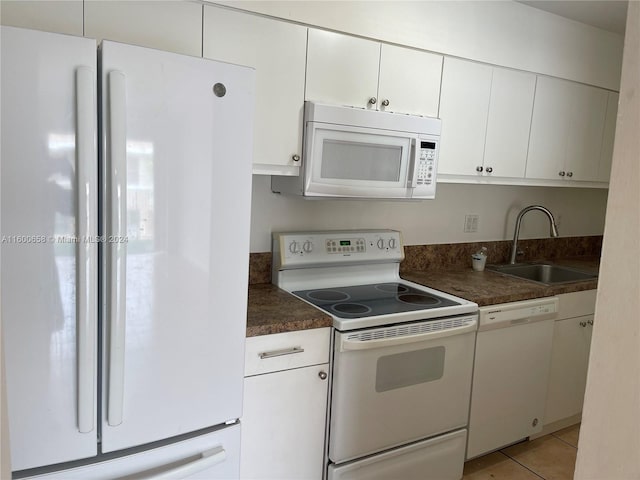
439,458
213,456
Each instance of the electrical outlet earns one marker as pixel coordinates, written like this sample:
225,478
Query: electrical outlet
471,223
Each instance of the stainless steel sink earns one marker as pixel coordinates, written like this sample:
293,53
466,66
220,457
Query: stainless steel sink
543,273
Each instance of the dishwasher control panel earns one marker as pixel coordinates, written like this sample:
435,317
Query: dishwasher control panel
516,313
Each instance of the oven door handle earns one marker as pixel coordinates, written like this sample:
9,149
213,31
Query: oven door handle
346,344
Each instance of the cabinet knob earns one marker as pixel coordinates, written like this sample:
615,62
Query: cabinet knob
385,103
489,169
479,168
373,100
569,174
583,324
322,375
590,322
561,174
535,422
295,158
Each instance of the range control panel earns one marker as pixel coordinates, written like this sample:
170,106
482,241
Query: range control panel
300,249
426,163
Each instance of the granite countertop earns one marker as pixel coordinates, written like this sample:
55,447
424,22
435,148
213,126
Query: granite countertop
272,310
490,288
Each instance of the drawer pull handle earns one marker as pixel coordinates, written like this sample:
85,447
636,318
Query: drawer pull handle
279,353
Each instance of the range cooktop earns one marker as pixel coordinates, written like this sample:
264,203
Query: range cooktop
374,299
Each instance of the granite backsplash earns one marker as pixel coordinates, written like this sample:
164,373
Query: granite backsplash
458,255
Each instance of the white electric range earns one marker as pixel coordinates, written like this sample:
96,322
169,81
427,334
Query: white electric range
402,355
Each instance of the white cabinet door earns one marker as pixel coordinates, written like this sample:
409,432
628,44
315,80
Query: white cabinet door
549,129
283,424
508,124
566,131
277,50
589,105
173,26
464,103
568,372
342,70
409,81
345,70
606,155
178,287
45,285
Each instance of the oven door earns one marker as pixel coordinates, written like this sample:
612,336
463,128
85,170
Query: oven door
349,161
399,384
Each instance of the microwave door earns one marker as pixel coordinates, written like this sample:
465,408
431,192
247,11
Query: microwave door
358,162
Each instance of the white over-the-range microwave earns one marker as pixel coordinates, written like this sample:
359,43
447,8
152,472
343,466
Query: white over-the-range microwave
355,153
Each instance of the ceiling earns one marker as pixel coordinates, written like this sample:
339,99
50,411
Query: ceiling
609,15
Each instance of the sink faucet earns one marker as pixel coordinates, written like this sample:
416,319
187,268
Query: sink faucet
554,228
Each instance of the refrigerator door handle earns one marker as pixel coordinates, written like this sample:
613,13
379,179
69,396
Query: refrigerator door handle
86,172
116,242
205,460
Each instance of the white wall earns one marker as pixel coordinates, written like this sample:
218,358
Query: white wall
578,212
609,437
499,32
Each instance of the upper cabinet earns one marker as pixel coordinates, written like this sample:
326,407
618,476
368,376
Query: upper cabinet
604,169
173,25
466,92
49,16
345,70
486,114
566,131
277,51
508,122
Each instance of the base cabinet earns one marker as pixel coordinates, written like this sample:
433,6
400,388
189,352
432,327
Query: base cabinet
285,411
569,358
569,362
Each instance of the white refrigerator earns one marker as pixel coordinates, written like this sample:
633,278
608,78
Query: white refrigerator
126,185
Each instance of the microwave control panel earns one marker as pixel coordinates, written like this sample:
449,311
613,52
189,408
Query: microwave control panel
425,163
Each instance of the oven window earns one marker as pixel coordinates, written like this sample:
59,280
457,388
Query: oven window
360,161
409,368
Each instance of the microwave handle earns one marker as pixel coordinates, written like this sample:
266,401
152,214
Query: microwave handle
413,171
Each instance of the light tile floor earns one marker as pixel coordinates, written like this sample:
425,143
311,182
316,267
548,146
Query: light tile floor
552,457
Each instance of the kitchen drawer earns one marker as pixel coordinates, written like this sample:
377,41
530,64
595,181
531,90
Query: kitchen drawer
577,304
282,351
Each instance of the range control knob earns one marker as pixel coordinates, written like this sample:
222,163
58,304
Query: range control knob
294,247
392,243
307,246
380,244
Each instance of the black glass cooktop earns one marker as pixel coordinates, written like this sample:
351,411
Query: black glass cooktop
375,299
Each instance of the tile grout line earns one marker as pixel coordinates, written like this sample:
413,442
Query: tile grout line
523,465
564,441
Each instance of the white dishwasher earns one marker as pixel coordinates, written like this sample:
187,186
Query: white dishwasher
511,372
